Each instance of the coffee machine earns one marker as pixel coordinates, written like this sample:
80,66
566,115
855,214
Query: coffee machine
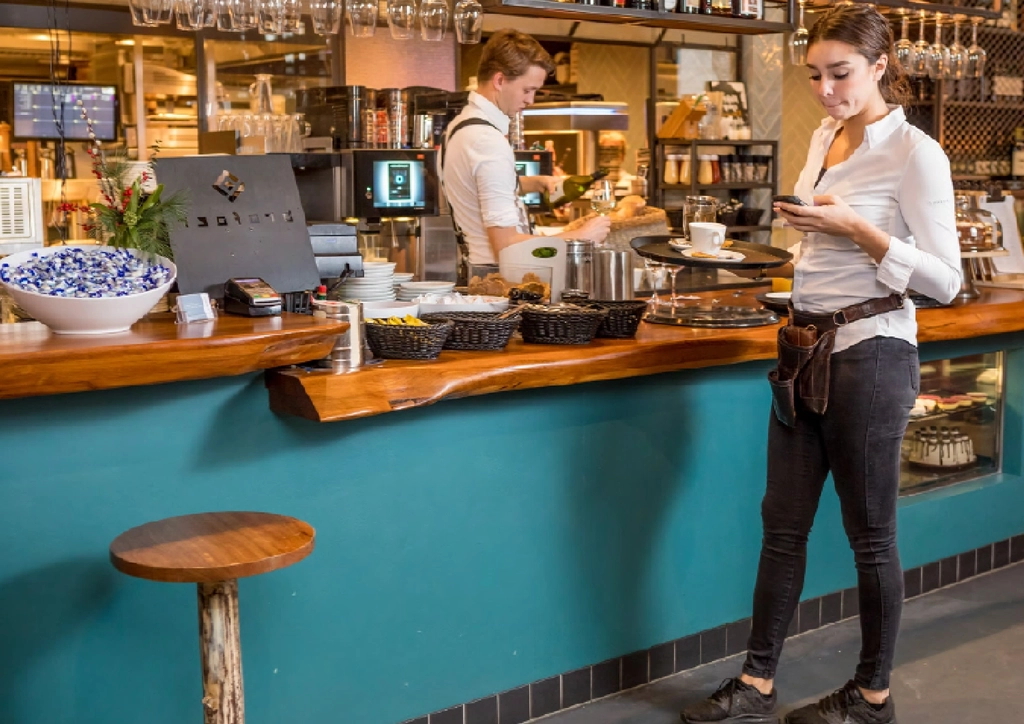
386,194
353,116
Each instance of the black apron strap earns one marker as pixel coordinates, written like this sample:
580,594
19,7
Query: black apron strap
462,277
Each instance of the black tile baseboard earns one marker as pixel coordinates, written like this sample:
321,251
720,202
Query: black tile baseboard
540,698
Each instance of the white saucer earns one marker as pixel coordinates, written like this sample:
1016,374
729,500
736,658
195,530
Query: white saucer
679,243
781,296
723,255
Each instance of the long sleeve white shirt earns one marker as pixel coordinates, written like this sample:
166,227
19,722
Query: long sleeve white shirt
899,180
480,181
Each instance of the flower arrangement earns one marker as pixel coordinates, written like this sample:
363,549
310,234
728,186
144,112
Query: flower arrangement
130,217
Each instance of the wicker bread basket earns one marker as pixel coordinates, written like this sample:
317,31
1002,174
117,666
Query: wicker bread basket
648,221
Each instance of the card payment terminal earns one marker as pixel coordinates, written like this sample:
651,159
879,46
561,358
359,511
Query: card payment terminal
251,297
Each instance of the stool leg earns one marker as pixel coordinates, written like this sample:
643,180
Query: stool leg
221,648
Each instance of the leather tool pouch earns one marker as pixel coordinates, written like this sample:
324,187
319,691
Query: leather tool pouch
801,378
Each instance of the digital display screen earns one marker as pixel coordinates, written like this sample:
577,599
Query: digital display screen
399,184
529,168
37,108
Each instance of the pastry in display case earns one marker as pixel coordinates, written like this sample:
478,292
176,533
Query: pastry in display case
955,429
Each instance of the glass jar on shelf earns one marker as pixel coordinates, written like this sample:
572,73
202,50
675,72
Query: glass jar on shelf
685,170
710,126
671,176
705,172
716,169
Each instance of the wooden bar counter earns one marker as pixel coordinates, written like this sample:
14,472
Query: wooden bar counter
156,350
468,550
397,385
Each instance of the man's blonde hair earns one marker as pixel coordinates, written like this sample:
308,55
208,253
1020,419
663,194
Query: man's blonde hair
512,54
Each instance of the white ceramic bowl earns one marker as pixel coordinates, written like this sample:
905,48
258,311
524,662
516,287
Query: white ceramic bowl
490,304
73,315
376,310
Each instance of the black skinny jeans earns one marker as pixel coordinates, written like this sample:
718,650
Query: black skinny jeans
872,389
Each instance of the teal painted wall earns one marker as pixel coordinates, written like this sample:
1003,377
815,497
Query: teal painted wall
462,549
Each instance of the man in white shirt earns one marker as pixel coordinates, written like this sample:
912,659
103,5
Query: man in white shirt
478,167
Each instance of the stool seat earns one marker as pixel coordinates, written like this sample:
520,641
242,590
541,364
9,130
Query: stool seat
211,547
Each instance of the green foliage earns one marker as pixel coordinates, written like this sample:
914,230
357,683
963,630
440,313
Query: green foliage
131,218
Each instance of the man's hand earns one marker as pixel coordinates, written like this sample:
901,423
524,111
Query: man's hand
595,229
538,184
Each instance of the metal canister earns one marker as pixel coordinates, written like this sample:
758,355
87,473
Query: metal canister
516,137
579,267
423,130
613,276
349,353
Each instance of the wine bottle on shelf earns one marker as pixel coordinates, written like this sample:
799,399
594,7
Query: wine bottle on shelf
570,188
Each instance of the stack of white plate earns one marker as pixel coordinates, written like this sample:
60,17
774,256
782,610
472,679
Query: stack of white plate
401,278
410,290
376,284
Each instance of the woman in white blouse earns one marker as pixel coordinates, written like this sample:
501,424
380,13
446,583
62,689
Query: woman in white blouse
879,221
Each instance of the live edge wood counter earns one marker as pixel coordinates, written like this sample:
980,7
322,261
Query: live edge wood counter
34,361
397,385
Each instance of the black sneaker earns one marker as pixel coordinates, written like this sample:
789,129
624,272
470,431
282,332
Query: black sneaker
733,703
844,706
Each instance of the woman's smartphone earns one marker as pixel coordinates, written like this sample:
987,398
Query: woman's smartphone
795,200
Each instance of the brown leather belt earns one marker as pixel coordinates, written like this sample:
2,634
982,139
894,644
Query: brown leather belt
847,315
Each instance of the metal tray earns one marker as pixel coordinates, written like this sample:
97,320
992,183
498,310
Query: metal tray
716,317
758,256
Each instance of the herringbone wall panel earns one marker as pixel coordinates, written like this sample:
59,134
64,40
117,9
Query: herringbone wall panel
621,74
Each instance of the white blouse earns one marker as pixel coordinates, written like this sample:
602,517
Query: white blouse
899,180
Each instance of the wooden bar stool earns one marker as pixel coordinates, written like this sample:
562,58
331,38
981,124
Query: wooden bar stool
214,550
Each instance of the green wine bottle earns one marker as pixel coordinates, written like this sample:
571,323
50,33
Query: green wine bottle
570,188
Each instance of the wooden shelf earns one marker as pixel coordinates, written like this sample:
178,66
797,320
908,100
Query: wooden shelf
155,351
399,385
627,16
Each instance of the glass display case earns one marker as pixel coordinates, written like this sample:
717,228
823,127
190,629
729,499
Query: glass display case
955,430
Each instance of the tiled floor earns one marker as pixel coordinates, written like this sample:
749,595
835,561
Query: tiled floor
961,654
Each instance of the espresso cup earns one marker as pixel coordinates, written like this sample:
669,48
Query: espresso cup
706,237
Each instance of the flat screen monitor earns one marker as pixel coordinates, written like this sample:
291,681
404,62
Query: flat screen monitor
533,163
529,168
36,108
399,184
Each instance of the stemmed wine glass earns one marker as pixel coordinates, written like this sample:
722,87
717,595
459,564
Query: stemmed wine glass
938,54
673,270
957,53
921,52
655,272
602,197
798,41
976,55
905,52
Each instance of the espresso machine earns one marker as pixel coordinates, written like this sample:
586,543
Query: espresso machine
352,116
384,195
